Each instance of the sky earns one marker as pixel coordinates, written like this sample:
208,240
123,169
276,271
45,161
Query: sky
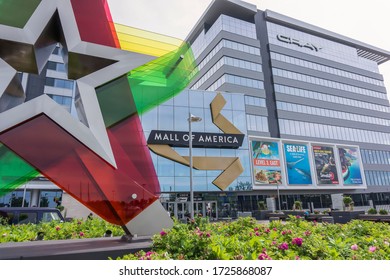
362,20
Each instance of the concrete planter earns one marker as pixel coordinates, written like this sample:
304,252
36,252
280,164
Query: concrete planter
281,216
317,217
375,218
261,214
343,217
294,213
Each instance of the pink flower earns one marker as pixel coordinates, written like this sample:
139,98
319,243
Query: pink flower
307,233
256,229
284,232
208,235
298,217
297,241
57,228
267,230
81,233
274,243
264,256
275,229
354,247
297,258
257,233
372,249
289,231
283,246
162,233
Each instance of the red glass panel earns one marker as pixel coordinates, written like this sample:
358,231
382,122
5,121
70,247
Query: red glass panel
94,21
117,195
128,141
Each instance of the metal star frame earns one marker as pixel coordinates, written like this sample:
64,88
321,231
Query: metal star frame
96,164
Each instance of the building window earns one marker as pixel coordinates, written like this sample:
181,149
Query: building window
59,83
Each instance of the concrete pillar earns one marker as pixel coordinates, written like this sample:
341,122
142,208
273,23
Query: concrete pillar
337,201
271,204
34,200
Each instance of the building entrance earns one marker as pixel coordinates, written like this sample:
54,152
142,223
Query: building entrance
180,209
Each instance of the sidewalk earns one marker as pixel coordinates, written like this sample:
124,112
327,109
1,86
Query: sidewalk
76,249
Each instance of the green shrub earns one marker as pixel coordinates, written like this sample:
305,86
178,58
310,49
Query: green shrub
248,240
55,230
383,212
372,211
297,205
348,202
262,205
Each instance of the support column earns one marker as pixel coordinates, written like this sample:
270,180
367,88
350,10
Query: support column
34,200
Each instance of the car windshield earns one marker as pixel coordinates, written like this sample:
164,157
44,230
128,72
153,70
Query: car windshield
50,216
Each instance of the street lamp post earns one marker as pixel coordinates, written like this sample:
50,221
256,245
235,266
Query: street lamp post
191,119
277,187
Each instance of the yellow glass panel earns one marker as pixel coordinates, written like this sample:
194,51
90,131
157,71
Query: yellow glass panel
145,42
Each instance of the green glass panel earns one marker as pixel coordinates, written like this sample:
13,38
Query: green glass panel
116,101
14,171
161,79
16,13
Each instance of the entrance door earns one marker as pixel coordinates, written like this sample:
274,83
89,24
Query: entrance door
211,209
182,210
199,207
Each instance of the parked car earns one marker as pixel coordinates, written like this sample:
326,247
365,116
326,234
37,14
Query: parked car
27,215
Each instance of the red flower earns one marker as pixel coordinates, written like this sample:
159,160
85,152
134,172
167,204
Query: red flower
162,233
297,241
283,246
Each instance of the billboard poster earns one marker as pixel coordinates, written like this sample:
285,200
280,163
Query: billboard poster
266,163
350,166
325,165
297,164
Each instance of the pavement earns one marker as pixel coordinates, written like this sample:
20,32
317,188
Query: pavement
76,249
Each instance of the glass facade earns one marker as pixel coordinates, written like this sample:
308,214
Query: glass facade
323,131
236,80
223,23
330,98
325,69
228,45
318,111
229,61
15,199
327,83
172,115
375,157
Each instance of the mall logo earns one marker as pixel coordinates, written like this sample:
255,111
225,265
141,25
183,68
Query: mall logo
297,42
199,139
161,143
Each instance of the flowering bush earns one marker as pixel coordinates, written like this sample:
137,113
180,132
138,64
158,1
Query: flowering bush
54,230
245,239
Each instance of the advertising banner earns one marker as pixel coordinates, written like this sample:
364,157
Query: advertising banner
297,164
266,163
350,166
325,165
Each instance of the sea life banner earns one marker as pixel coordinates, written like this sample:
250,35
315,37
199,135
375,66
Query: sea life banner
325,165
297,164
266,163
350,166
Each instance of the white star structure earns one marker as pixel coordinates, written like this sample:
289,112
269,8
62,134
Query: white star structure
28,50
